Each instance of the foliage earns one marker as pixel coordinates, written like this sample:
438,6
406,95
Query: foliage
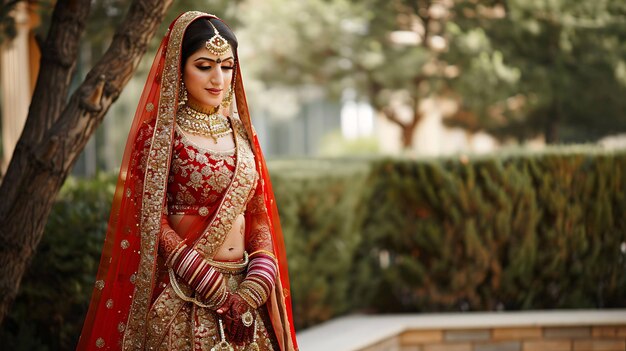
55,291
570,57
537,231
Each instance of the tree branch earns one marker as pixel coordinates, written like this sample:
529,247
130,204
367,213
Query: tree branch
391,115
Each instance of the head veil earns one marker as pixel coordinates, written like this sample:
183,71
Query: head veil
126,276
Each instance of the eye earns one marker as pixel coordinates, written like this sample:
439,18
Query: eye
228,67
203,68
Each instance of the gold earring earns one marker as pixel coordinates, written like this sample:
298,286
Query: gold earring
182,94
228,98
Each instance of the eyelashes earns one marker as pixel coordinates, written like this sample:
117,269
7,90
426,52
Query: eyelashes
206,68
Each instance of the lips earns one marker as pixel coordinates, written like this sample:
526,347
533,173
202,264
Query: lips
214,91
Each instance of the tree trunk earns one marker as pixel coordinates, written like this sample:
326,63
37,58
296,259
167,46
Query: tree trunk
57,130
407,129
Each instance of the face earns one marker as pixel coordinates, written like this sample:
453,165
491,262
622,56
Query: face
207,77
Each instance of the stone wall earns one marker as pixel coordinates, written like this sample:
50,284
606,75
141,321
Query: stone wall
573,330
583,338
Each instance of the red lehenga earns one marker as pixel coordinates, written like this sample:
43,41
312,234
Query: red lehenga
124,313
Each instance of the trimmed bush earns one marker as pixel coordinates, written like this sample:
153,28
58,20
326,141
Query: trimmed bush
537,231
320,212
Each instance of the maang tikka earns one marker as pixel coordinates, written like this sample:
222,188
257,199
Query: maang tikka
217,45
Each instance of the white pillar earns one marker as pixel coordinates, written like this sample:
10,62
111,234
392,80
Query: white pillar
15,81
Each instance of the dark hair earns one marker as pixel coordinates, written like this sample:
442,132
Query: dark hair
199,31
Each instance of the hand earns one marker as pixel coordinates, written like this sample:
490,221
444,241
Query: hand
232,310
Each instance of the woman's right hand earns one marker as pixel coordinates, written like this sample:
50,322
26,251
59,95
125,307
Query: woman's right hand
231,311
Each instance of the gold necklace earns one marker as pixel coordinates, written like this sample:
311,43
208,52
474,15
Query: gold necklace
212,125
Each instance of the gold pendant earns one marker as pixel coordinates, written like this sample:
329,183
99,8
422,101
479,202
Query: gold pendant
253,347
223,346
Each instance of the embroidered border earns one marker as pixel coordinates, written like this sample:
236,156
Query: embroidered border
155,186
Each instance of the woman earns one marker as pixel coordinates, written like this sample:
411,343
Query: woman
194,257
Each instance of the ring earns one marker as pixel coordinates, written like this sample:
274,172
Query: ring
247,318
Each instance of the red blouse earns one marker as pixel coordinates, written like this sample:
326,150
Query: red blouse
198,177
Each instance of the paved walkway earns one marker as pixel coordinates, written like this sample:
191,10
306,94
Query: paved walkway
359,331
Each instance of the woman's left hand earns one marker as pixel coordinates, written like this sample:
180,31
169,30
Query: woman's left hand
232,311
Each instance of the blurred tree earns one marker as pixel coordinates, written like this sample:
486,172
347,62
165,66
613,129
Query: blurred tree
517,68
572,59
59,124
7,22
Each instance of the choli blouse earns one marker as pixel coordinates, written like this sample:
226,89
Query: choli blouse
198,177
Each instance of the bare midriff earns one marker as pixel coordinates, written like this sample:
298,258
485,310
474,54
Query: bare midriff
232,248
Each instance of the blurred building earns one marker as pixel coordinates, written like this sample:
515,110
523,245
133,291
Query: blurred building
19,66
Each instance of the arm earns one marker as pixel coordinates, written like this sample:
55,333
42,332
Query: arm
189,265
263,268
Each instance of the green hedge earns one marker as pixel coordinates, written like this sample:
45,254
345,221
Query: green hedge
522,231
320,211
54,296
536,231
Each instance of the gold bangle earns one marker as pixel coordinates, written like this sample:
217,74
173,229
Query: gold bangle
175,253
247,298
193,300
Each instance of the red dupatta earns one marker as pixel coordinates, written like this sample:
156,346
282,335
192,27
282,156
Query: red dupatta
126,278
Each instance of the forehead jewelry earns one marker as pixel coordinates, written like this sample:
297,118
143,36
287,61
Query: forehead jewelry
217,45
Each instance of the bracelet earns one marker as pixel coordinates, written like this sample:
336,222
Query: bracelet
175,253
180,293
247,298
211,304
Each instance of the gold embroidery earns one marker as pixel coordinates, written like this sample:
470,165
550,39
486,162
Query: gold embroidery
109,303
100,343
149,107
121,326
183,326
181,335
201,158
195,180
207,170
221,178
161,314
99,284
125,244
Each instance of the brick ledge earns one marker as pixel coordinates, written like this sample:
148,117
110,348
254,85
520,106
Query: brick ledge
359,331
